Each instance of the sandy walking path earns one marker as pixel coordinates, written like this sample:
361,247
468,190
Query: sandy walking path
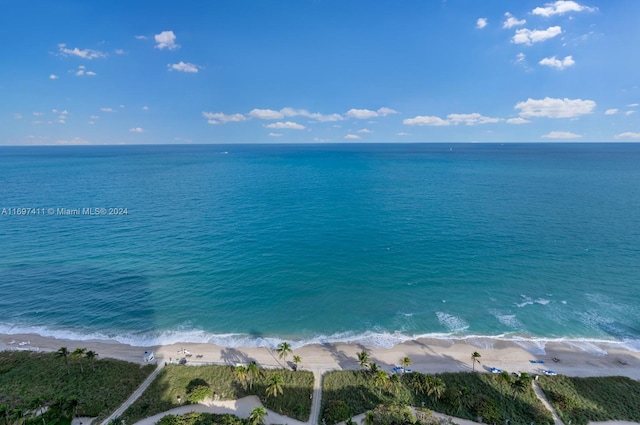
136,394
241,408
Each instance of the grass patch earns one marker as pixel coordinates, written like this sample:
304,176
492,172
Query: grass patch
202,419
174,381
467,395
103,386
580,400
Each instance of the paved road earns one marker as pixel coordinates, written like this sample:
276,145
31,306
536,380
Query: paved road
137,393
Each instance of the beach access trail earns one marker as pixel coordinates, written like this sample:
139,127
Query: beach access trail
136,394
241,407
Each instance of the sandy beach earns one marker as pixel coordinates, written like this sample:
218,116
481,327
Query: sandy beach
428,355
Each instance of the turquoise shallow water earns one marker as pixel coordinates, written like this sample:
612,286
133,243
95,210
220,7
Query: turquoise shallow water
248,244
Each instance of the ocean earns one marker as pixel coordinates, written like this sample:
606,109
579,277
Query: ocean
248,245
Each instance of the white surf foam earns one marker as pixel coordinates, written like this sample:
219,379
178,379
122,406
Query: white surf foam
451,323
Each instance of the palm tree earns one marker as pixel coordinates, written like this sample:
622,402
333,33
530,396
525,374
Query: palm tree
78,354
276,385
437,389
394,382
363,359
519,386
91,356
374,368
381,380
284,349
253,371
72,406
406,361
257,415
63,352
474,358
297,360
241,375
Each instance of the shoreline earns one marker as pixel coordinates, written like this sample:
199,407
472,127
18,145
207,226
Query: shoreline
429,355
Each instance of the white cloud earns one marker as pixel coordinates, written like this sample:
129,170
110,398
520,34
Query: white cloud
425,120
517,121
119,52
141,37
633,105
452,119
471,119
107,109
266,114
85,54
220,118
627,135
561,135
53,77
481,23
403,134
82,71
561,7
39,114
557,63
91,122
121,106
166,40
145,108
555,108
183,67
74,141
363,114
275,134
611,111
286,125
94,117
511,21
629,113
352,137
383,112
136,130
365,130
527,36
520,59
16,116
291,112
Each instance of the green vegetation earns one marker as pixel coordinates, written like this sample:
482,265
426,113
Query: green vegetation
466,395
580,400
31,381
202,419
169,389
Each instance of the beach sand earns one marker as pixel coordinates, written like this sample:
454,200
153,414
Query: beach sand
428,355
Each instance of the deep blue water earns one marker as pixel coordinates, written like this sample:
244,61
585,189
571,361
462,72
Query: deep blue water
238,244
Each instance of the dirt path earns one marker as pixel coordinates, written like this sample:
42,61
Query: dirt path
317,397
137,393
545,402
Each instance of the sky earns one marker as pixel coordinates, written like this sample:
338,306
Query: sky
316,71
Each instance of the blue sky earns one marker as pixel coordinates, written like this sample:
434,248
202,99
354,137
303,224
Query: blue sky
140,72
